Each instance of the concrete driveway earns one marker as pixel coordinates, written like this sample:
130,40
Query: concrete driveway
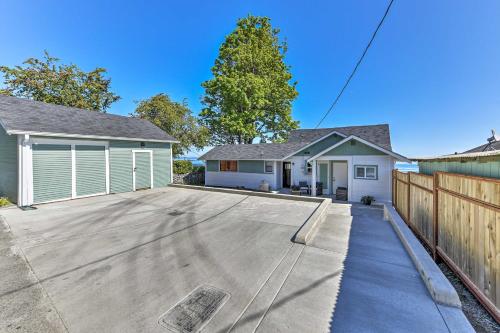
118,263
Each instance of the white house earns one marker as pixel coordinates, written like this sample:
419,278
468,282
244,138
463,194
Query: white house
359,158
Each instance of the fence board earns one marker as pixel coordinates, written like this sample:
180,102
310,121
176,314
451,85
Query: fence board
421,203
459,217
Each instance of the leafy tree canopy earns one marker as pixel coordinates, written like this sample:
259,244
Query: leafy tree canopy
250,95
176,119
48,81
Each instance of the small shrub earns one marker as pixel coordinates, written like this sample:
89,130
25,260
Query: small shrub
367,200
200,168
182,167
4,201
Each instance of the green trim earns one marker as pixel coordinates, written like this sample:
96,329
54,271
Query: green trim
320,146
353,147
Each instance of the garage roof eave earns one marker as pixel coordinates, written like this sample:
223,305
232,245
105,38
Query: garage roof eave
93,137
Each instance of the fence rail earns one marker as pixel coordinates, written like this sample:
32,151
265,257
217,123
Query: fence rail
458,218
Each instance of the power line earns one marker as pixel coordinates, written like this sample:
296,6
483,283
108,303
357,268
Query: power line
357,64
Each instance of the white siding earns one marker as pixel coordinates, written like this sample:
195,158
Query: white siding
234,179
298,170
380,189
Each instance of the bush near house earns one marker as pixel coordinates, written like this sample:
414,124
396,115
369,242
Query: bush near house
4,201
182,167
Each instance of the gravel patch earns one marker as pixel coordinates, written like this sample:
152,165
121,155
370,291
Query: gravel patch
477,315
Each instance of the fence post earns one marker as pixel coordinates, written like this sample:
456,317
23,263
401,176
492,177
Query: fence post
408,201
435,218
395,180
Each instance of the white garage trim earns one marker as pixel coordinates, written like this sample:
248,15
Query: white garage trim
150,162
25,165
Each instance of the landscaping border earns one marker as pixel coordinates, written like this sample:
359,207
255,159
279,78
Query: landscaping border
441,290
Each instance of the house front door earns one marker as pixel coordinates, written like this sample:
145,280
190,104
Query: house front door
339,175
287,174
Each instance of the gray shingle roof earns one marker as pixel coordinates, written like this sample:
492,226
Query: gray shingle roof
19,115
377,134
490,146
261,151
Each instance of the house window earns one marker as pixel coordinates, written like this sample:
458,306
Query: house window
230,166
365,172
268,166
309,168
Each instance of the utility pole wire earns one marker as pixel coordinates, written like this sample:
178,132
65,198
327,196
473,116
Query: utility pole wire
357,64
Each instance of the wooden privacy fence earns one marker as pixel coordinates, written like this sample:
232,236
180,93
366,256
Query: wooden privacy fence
458,218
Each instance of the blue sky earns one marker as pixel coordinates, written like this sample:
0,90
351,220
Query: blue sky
433,72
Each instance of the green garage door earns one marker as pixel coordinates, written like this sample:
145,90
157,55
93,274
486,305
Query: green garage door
51,172
90,163
142,170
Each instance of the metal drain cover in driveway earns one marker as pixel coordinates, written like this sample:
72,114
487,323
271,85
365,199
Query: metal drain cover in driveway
194,311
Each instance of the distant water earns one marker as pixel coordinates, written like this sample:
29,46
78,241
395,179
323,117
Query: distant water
407,167
193,160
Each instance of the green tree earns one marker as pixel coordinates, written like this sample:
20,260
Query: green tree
250,95
176,119
47,81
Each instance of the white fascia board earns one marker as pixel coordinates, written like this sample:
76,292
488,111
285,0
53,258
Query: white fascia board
80,136
69,142
368,143
240,159
314,142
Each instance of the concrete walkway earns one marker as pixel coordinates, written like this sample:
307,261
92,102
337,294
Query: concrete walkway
117,263
356,273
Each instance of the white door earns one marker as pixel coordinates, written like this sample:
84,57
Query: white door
339,175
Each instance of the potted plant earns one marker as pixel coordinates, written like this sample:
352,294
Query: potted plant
367,200
295,189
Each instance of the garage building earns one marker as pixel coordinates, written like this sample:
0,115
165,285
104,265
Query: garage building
50,152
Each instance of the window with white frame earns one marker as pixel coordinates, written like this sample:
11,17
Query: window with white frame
365,172
309,168
268,166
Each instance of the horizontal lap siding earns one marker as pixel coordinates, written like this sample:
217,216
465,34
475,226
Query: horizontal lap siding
120,163
8,165
51,172
213,165
251,166
161,163
90,170
489,168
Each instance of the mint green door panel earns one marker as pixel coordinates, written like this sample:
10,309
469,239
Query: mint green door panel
52,170
323,174
142,170
8,165
90,162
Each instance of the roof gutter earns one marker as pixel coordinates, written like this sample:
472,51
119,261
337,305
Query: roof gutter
81,136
